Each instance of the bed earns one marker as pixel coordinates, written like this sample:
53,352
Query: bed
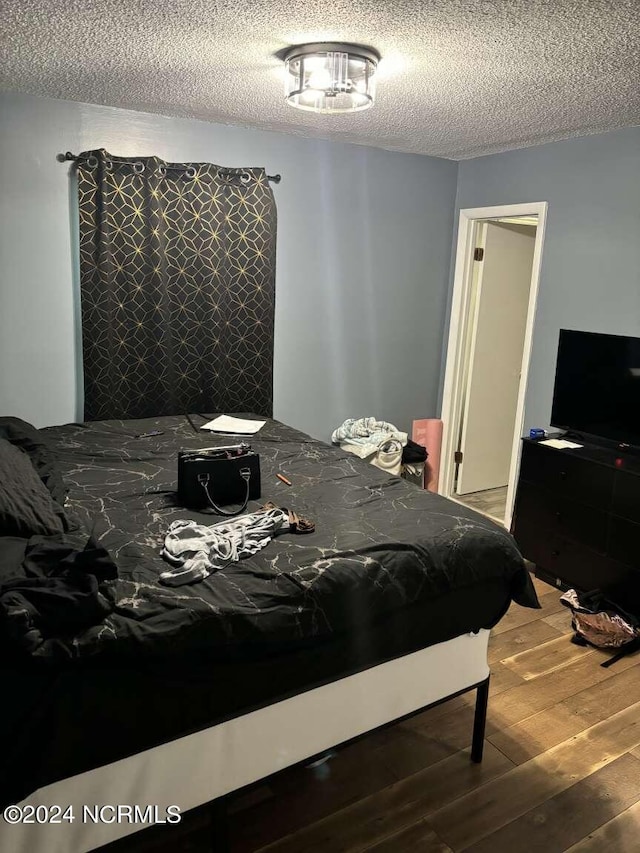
382,611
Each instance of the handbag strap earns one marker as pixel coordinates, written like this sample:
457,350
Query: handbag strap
203,479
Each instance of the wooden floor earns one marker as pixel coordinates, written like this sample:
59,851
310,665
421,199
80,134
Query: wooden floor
561,769
491,502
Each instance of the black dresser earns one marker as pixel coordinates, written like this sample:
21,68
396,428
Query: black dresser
577,515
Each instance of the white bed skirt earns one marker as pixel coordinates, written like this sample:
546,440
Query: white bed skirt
194,770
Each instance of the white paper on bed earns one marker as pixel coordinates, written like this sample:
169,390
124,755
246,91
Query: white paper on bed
235,426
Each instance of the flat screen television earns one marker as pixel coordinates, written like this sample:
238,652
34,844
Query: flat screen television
597,387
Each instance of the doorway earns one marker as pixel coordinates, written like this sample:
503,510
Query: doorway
493,308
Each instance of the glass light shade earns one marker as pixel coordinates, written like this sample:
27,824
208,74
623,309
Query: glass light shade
330,78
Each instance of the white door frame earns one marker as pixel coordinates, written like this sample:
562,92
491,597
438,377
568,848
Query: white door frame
453,391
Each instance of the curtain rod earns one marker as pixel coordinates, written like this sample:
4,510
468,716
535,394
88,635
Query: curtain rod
69,156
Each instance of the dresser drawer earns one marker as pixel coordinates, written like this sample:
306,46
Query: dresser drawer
566,476
626,496
557,514
572,563
624,541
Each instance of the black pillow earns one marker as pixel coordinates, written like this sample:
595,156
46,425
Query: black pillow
26,506
32,441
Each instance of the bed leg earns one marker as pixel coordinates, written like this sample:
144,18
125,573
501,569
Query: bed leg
479,720
219,821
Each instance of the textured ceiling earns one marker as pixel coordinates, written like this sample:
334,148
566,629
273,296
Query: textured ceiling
457,79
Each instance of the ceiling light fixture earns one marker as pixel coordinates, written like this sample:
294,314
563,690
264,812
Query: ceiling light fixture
330,77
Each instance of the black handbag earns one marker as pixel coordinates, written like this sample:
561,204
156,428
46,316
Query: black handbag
217,476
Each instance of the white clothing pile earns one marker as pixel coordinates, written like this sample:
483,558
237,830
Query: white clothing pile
197,550
378,441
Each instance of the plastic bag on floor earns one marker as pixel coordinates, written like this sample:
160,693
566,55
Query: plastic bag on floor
598,622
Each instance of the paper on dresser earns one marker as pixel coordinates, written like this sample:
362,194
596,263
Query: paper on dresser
561,444
236,426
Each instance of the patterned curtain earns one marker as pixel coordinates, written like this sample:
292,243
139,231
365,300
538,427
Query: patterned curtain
177,277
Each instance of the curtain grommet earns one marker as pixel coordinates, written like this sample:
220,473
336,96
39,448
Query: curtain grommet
92,162
245,177
138,167
108,164
163,171
190,172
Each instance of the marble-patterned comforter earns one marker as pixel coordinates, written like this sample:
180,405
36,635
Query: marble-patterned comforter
380,544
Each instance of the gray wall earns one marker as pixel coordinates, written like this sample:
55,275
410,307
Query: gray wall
591,258
364,240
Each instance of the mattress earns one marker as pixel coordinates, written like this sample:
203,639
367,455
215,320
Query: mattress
389,569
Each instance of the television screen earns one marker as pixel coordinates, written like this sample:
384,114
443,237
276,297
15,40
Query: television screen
597,387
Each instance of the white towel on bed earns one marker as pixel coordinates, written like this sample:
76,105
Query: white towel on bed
196,550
